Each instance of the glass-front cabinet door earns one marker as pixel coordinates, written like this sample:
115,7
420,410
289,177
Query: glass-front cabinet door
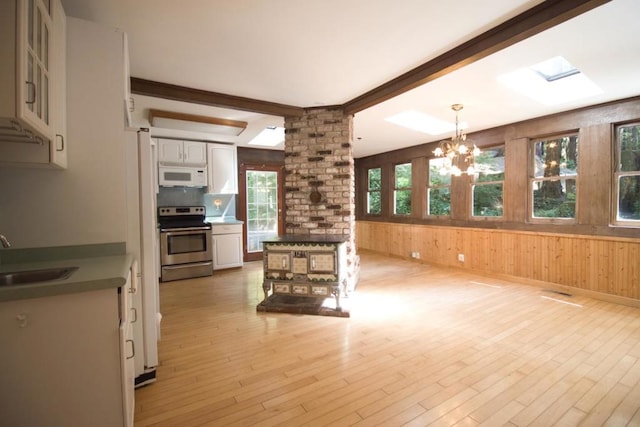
35,64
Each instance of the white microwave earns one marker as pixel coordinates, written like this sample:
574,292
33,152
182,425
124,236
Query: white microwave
182,176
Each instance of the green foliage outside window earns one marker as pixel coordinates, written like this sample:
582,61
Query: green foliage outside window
554,183
488,189
402,193
374,197
439,191
628,170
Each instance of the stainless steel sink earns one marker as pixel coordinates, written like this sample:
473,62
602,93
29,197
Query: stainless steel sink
35,276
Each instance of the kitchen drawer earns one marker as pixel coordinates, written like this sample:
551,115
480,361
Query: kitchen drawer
226,228
305,288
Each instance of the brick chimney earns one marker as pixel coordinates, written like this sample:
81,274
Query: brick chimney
320,178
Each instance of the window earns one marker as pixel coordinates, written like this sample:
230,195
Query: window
374,188
487,189
262,208
553,183
402,190
439,187
627,175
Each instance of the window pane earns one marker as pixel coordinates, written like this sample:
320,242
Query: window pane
373,203
439,201
487,200
490,165
402,202
629,198
556,157
374,178
403,176
439,171
554,198
629,140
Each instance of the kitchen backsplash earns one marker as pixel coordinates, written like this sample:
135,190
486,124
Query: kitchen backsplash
220,205
216,204
180,196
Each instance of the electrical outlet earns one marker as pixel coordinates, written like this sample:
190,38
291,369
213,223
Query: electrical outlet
461,257
418,255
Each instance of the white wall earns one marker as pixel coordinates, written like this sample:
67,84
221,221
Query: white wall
86,203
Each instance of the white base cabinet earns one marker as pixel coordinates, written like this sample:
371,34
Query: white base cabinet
67,360
227,245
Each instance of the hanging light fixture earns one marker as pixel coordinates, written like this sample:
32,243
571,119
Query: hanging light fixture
459,152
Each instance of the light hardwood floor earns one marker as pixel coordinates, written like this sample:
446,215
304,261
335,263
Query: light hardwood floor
424,346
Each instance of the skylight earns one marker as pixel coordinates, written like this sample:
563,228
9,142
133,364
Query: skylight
269,137
555,68
421,122
551,82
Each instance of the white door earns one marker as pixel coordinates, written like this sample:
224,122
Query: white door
195,153
169,151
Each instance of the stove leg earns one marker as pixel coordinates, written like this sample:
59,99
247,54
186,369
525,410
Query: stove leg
266,287
336,293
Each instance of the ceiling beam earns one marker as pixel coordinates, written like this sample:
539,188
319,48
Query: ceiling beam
529,23
198,96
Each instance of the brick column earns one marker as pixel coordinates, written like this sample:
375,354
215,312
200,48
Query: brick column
319,157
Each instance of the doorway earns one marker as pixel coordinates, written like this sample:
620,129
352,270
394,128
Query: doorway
262,200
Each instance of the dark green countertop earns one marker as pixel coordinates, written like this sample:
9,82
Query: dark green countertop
99,267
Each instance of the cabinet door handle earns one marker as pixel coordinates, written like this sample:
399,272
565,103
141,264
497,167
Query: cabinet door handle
61,142
133,349
132,104
22,320
135,315
31,99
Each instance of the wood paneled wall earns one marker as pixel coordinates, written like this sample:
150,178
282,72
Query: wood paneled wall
595,126
603,267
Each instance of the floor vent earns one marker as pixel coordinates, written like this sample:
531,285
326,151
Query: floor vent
553,291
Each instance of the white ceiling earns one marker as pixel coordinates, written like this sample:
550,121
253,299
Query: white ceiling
326,52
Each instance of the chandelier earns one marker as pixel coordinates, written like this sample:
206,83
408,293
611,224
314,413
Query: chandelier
459,152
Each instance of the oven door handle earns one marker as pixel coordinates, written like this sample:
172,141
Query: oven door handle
188,230
191,264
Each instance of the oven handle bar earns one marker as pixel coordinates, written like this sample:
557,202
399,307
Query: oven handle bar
178,231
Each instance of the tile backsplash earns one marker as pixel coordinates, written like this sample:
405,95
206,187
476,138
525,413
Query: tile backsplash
216,204
180,196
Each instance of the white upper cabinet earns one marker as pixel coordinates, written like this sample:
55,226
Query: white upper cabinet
222,169
58,148
176,152
32,70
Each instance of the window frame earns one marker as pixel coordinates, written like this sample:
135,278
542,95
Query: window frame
428,214
370,190
473,183
617,174
396,189
532,179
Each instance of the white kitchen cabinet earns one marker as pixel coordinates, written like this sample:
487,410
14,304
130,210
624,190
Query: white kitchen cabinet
58,147
32,70
177,152
66,360
222,169
227,245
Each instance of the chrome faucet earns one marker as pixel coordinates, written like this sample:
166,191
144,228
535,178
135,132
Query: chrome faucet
4,241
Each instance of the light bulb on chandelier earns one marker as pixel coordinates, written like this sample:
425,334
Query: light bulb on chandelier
458,151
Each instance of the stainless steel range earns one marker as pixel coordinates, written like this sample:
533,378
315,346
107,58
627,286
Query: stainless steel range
185,243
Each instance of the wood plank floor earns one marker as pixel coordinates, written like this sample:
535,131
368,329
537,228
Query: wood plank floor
423,346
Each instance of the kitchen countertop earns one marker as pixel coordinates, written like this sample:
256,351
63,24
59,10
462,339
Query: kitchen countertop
223,220
97,269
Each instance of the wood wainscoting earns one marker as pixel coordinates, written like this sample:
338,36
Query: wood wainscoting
606,268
